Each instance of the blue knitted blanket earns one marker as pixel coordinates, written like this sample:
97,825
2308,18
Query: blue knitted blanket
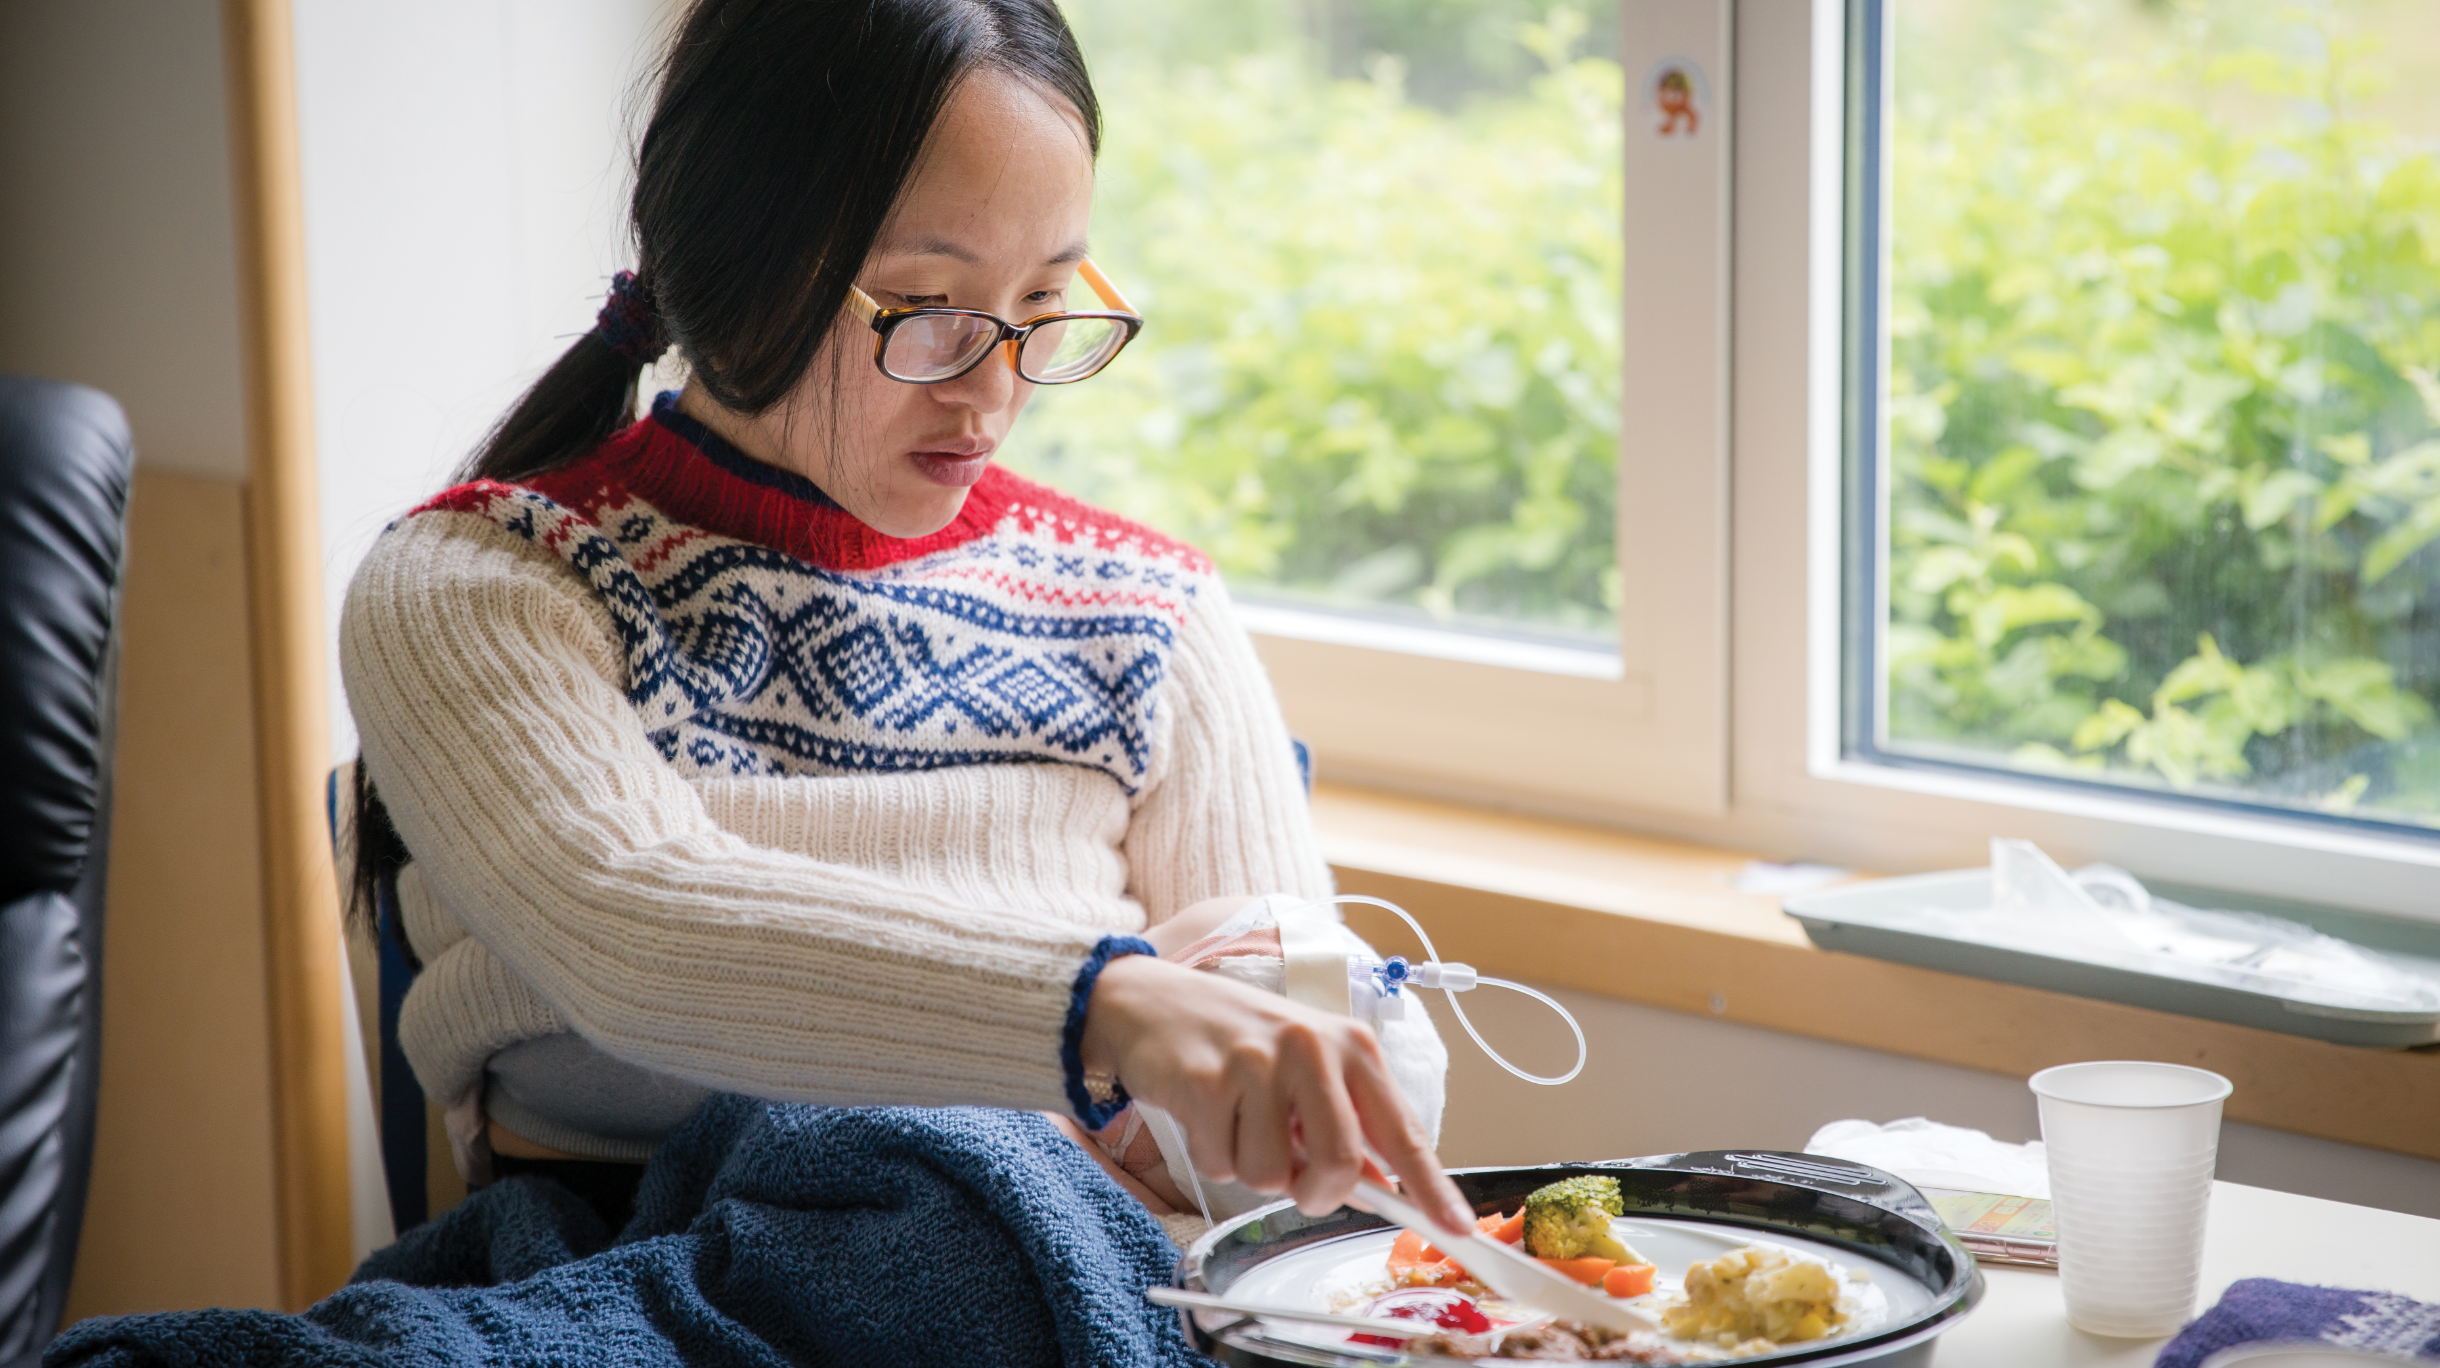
2265,1310
763,1235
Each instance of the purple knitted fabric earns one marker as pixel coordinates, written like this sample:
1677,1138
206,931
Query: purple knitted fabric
628,323
2258,1310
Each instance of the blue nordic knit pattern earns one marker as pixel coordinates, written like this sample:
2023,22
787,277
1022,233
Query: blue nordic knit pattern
767,632
764,1235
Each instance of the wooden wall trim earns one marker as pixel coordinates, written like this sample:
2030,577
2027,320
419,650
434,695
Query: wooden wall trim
291,699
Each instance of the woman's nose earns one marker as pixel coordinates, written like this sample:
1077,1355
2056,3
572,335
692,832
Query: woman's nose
987,388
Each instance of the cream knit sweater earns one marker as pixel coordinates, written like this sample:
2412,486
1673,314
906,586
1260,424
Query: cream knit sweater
695,766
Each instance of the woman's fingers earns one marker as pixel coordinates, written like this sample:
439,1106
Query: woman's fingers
1331,1134
1272,1094
1390,1125
1264,1153
1210,1120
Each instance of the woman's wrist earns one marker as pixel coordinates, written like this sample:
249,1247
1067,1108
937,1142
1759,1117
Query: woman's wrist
1086,1055
1110,1016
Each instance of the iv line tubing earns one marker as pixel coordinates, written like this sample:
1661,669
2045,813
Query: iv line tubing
1168,1134
1459,1008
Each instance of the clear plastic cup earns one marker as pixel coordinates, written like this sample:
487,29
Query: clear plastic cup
2131,1147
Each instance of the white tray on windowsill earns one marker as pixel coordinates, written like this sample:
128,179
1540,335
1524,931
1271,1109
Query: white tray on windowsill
1879,920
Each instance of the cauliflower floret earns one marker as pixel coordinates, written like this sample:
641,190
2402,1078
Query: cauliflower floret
1757,1292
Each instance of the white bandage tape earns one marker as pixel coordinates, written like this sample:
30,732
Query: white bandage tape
1313,945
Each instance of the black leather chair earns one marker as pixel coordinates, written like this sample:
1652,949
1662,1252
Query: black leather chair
65,462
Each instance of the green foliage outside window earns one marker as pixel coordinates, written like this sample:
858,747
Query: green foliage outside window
2165,419
2165,358
1381,368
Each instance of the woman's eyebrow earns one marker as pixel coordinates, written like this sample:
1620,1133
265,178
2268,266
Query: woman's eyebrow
930,246
944,247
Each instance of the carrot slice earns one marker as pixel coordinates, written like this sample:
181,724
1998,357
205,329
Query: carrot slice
1413,1263
1628,1280
1587,1270
1432,1253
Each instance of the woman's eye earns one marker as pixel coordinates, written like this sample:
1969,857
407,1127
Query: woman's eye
907,301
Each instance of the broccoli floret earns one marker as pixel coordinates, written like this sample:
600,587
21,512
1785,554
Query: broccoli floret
1571,1218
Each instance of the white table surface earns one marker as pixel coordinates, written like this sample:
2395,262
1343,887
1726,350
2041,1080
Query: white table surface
2254,1233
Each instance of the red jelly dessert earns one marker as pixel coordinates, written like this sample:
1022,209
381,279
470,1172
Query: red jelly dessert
1439,1306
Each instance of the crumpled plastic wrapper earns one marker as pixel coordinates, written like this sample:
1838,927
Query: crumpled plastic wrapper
1930,1154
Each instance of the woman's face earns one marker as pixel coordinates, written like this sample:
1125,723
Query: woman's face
993,219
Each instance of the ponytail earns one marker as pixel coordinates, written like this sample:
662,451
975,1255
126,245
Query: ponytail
586,395
378,855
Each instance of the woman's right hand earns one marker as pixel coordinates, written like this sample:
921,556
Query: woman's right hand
1274,1095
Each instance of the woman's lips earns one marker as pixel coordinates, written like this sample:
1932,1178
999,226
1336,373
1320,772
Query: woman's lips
954,468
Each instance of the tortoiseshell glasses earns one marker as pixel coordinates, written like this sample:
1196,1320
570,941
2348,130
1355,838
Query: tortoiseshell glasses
934,346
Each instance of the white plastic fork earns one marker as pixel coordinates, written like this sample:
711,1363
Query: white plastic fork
1504,1270
1204,1301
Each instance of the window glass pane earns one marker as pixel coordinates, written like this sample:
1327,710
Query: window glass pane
2163,403
1377,245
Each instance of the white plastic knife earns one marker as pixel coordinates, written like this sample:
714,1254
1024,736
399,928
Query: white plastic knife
1507,1271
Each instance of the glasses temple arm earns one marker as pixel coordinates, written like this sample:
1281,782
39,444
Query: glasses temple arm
1110,297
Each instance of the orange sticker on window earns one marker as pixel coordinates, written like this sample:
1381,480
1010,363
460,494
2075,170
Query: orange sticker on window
1675,95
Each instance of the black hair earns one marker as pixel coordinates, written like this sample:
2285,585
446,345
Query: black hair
782,134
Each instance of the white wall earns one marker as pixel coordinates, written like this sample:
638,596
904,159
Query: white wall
118,257
466,168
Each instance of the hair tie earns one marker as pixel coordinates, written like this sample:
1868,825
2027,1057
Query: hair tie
628,323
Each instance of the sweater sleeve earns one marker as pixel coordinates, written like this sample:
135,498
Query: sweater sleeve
1229,813
484,680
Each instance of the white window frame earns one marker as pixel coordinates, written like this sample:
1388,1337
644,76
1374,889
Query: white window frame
1520,723
1533,740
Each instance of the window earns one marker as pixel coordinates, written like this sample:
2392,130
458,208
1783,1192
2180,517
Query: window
2145,398
1386,270
1379,241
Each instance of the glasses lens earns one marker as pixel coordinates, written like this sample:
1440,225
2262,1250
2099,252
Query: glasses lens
1070,349
936,346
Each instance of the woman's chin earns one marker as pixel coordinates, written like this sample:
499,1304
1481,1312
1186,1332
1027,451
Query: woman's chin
917,513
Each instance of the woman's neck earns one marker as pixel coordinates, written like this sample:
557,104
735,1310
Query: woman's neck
734,428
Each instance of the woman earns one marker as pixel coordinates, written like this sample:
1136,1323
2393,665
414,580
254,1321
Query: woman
781,743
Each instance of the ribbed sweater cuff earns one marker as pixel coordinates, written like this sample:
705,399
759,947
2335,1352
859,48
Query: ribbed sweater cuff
1094,1115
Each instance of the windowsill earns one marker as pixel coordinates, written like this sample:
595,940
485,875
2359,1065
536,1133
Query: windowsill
1658,922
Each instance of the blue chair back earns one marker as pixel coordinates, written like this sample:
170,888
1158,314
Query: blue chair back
417,1172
